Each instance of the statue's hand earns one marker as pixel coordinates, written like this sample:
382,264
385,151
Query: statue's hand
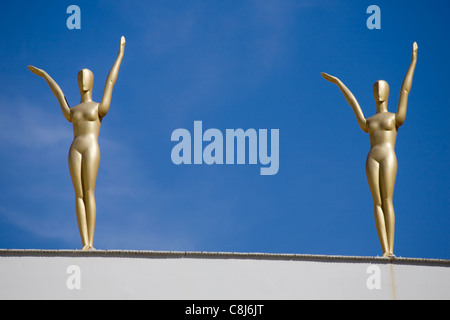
122,45
415,49
37,71
329,78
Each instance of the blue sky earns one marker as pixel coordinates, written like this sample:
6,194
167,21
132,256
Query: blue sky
231,64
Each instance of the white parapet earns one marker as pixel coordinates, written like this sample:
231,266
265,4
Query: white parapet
118,274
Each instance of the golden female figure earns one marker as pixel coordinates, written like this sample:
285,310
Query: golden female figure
381,164
84,153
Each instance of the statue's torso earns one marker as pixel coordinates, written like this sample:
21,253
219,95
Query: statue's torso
86,124
382,133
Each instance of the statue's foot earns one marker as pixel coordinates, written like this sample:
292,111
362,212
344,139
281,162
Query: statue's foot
86,247
389,255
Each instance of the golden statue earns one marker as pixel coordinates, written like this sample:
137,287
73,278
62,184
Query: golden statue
381,164
84,153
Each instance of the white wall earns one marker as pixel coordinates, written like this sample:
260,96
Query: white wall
36,274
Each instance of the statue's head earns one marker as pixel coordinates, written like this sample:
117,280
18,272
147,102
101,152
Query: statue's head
381,91
85,80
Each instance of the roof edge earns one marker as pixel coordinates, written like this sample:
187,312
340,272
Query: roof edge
144,254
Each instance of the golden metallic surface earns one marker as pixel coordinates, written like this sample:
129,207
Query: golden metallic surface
381,164
84,153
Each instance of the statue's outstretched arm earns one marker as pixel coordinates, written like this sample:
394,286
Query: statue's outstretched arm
111,80
350,99
406,87
56,91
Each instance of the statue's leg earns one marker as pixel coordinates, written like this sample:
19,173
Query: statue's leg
388,173
90,163
75,173
372,172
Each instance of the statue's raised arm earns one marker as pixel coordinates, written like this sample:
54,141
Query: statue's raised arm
406,88
55,89
103,107
350,99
